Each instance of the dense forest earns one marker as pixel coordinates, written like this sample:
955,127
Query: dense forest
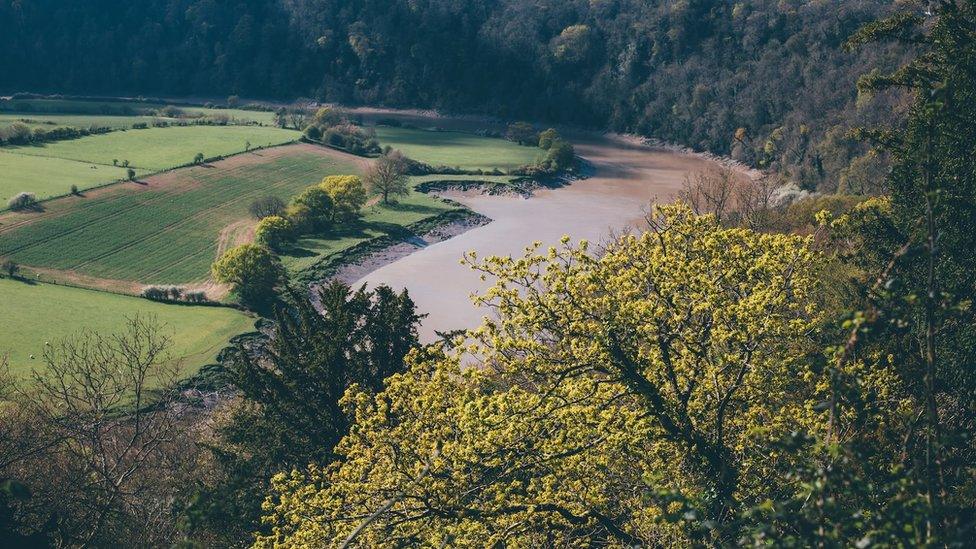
764,80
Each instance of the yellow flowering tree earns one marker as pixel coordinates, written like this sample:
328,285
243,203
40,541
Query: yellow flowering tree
348,195
605,384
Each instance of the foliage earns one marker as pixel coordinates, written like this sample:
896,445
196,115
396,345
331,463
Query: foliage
23,201
522,133
252,270
348,195
692,72
290,414
547,138
273,232
660,365
919,309
311,210
9,267
387,176
561,156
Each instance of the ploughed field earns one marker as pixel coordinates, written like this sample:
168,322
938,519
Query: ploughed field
167,229
50,169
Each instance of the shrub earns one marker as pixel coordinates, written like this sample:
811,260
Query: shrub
9,267
140,126
547,138
74,190
196,296
170,111
313,133
561,156
23,201
198,159
130,173
273,232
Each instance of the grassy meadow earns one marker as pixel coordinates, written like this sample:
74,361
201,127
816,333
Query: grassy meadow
157,149
35,313
456,149
47,177
160,235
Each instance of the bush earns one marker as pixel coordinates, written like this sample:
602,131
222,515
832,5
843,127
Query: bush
74,190
548,138
561,156
130,173
313,133
140,126
273,232
22,202
9,267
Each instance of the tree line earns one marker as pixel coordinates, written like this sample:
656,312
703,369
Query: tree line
762,80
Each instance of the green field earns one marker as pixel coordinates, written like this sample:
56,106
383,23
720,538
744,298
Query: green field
157,149
35,313
46,171
48,177
456,149
31,108
164,235
377,220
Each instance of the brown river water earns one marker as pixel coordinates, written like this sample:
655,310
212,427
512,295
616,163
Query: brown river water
625,179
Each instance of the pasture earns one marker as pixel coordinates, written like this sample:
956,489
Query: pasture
47,177
167,230
35,313
467,151
158,149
